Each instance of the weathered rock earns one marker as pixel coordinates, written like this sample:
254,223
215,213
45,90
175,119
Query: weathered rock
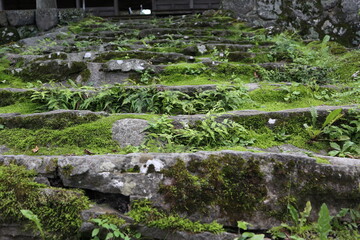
67,16
153,57
126,65
18,18
337,18
278,117
52,70
259,181
14,231
3,149
55,119
8,34
46,18
129,132
3,19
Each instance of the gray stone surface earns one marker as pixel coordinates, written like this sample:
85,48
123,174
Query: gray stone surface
46,18
109,174
67,16
13,231
129,132
3,149
3,19
126,65
337,18
277,116
20,18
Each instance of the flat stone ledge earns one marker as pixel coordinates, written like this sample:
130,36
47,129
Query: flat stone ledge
54,119
283,114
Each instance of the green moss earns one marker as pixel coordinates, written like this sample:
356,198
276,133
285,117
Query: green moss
236,185
113,219
9,98
58,121
20,107
67,170
143,212
322,160
95,137
52,70
58,209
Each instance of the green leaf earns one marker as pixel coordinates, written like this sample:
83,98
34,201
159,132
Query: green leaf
335,146
242,225
294,214
258,237
347,145
109,236
324,226
95,232
332,117
247,235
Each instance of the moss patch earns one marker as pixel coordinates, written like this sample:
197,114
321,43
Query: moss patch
235,185
58,209
95,137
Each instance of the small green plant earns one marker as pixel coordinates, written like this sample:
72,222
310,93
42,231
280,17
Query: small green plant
112,231
248,235
34,218
313,131
323,223
291,94
302,229
206,133
221,56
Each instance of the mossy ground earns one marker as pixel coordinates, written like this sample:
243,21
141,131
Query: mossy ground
95,137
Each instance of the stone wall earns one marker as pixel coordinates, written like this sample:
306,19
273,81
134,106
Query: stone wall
314,19
16,24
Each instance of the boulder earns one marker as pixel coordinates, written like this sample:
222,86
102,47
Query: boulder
129,132
18,18
46,18
8,34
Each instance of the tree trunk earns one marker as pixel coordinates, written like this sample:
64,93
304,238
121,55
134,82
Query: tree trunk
46,4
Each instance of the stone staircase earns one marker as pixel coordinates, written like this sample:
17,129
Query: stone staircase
175,62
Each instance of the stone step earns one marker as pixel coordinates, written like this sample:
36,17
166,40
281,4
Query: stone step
58,119
269,174
278,117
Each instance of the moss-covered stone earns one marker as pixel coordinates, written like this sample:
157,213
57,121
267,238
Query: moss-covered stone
58,120
236,185
58,209
52,70
8,97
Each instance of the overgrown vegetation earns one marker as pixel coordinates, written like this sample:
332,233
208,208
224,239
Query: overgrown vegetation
57,209
137,100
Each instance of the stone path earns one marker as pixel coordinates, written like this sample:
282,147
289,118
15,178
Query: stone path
190,56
